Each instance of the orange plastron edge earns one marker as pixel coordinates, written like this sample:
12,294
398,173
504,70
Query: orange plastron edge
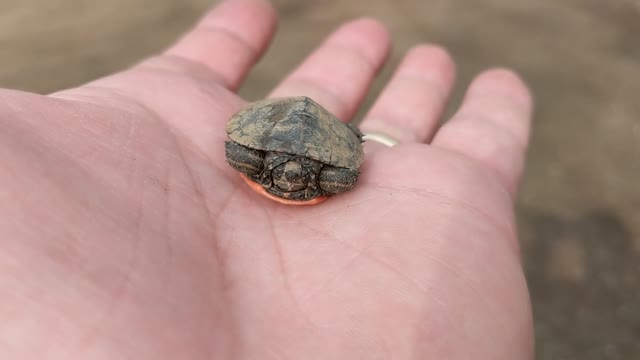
260,190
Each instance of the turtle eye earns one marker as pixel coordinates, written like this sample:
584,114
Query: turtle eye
290,176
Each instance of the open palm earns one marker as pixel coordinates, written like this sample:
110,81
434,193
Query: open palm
125,235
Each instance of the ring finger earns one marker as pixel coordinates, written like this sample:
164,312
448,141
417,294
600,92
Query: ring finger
410,106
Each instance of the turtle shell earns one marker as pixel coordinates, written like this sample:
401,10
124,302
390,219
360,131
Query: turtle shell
297,126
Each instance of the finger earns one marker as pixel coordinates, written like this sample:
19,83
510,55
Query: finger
410,106
338,73
492,125
229,39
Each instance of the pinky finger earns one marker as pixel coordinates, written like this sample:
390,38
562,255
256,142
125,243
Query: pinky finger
492,125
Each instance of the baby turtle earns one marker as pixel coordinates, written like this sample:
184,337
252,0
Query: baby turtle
293,151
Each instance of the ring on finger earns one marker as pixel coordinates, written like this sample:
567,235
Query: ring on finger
381,138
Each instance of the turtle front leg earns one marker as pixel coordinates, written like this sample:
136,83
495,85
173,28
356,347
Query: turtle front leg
335,180
244,159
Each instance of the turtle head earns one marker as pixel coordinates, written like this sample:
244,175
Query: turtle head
291,176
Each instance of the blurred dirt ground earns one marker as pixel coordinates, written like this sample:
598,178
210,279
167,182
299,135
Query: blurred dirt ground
579,211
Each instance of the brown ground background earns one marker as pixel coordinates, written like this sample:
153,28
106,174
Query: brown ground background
579,210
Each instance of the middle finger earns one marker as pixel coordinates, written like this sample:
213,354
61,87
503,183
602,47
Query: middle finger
338,73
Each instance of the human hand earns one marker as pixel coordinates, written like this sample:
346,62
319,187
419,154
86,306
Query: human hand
124,234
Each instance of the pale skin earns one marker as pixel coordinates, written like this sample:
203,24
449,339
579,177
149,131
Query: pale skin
125,235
